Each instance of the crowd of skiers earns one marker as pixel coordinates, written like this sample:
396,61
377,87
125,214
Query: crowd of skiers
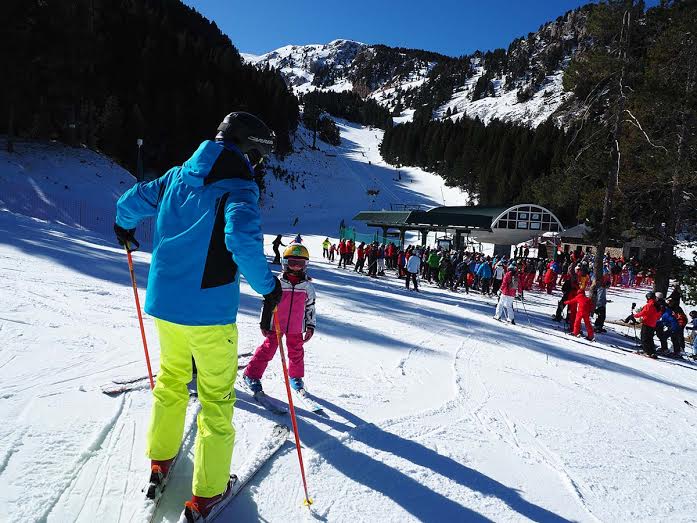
582,295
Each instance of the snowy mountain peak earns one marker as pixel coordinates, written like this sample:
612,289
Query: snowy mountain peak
522,83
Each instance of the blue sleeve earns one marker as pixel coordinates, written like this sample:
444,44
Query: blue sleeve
245,241
140,202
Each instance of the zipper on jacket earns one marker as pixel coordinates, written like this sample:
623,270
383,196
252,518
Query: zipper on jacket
290,307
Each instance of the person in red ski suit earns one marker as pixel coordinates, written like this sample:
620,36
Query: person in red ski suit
343,253
573,306
296,316
649,315
360,258
550,277
584,307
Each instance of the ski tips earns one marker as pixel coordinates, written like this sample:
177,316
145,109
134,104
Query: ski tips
307,502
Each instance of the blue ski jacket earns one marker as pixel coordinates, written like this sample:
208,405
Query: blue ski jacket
668,320
484,270
208,228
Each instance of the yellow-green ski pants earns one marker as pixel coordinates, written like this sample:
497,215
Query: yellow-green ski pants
214,347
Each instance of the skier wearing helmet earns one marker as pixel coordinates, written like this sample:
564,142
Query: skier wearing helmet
509,285
296,315
649,316
207,233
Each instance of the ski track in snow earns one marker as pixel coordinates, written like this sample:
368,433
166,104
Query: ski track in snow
435,411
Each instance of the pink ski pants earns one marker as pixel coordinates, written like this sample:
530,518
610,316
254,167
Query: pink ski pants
266,351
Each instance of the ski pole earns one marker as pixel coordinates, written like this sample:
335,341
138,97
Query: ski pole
522,300
140,316
277,325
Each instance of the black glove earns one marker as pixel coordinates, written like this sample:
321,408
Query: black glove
126,237
274,297
271,300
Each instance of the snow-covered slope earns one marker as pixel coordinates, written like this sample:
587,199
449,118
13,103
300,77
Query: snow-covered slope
52,181
504,104
333,184
436,411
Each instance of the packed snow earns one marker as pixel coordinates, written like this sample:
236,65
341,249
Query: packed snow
335,183
436,412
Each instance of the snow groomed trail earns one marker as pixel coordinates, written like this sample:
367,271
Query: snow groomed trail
436,412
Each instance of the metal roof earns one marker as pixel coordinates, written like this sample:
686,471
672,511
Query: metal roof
471,210
384,217
499,225
460,216
578,232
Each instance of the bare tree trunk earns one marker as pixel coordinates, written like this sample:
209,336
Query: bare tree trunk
91,120
614,173
665,261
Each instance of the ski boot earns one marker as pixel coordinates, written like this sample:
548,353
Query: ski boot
512,322
252,384
297,384
159,472
198,509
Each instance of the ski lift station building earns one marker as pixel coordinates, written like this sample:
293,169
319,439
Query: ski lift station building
501,226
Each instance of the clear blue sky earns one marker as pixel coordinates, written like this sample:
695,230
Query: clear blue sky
451,27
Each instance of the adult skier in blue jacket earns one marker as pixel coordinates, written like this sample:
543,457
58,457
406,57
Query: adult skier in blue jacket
484,273
208,232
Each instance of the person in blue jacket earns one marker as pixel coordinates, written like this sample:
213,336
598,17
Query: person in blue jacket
484,273
207,234
666,326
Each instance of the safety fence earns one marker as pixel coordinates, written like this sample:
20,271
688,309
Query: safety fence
62,209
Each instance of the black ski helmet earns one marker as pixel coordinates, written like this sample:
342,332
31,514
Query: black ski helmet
650,295
252,136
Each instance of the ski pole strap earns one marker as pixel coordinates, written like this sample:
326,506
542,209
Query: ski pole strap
129,245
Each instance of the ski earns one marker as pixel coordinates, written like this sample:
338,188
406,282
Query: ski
117,387
308,402
154,494
271,404
259,457
682,362
128,380
122,385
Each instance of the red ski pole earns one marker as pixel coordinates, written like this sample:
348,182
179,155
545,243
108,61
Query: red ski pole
307,501
140,316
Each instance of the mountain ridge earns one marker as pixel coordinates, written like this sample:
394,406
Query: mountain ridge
522,83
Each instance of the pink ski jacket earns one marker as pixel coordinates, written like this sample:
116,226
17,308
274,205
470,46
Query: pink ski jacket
296,312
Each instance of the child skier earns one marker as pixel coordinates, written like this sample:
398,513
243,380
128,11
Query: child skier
583,313
296,315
